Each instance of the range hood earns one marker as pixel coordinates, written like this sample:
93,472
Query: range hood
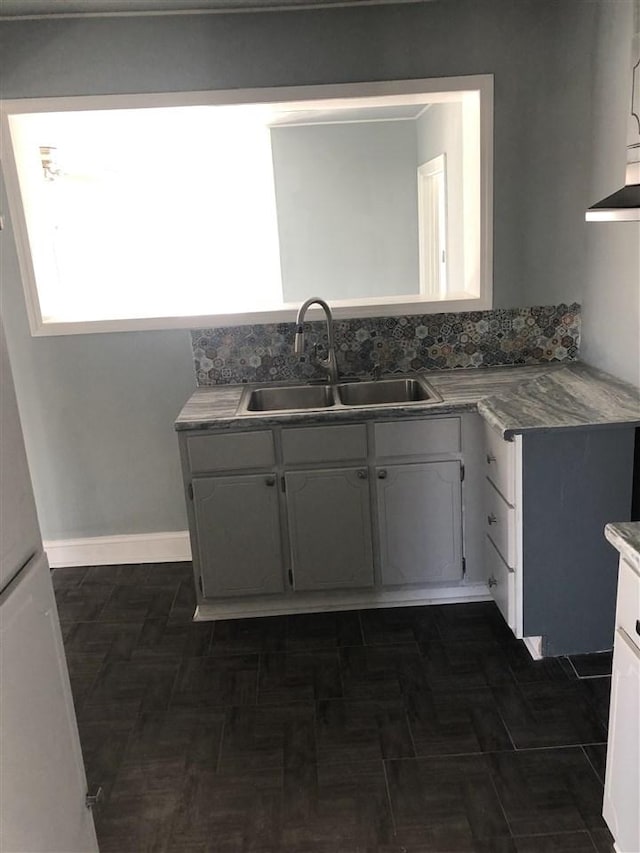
624,205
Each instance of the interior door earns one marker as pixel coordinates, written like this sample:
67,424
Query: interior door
42,779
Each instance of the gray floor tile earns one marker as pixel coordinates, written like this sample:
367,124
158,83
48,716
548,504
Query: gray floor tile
298,734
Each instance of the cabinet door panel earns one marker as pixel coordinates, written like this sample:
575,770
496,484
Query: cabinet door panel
238,526
330,528
420,518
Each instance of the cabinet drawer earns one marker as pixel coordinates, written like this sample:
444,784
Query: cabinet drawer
502,585
324,444
230,451
500,524
417,438
628,606
500,464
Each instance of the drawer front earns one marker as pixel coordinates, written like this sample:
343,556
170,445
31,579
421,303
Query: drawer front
230,451
417,438
628,607
502,585
500,524
500,464
324,444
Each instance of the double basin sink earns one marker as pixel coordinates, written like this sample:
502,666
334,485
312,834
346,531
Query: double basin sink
380,392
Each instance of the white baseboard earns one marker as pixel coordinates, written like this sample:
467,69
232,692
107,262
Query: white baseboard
326,602
170,547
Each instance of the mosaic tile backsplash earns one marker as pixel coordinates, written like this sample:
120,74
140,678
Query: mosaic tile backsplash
264,352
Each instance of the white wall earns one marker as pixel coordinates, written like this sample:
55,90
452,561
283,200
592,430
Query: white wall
611,300
98,410
347,203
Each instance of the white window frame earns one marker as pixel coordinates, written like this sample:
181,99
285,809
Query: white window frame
479,295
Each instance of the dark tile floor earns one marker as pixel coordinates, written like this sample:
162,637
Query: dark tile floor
385,731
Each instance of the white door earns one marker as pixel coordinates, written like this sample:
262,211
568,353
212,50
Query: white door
42,778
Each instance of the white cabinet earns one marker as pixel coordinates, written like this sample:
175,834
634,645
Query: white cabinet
420,523
42,778
503,530
237,522
621,807
329,528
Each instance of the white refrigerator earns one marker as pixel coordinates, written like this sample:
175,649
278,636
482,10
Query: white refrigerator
43,785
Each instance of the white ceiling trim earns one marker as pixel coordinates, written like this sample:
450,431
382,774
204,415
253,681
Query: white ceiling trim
12,10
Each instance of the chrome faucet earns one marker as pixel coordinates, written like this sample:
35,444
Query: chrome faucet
329,363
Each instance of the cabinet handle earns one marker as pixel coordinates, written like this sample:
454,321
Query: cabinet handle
362,474
270,481
638,627
492,582
490,458
382,475
491,519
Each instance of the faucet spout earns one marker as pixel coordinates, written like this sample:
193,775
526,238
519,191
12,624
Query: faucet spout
329,363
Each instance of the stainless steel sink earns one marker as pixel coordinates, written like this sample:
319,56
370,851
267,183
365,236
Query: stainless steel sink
288,398
384,391
399,390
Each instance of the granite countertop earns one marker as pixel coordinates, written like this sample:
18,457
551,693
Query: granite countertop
511,399
625,536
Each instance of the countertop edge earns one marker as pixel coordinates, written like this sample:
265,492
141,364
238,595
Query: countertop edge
509,411
625,537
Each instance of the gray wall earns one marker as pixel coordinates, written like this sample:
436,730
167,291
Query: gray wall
439,131
347,203
97,410
611,299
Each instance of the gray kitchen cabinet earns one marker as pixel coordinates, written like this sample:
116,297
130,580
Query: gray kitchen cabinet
549,495
237,523
293,518
419,510
329,518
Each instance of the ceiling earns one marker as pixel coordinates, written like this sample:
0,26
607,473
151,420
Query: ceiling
57,8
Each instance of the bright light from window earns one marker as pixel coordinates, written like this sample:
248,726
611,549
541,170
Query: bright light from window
191,209
171,208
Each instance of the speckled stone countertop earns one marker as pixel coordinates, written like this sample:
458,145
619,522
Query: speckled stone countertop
625,536
511,399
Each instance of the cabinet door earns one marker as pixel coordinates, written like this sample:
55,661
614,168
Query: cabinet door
42,779
420,521
622,781
330,528
238,528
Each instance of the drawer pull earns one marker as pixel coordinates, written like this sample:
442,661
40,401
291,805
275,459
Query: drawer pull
490,458
270,481
638,627
362,474
491,519
492,582
382,474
